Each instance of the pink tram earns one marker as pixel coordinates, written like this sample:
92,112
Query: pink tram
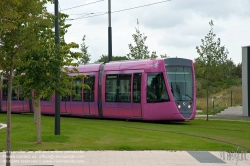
156,89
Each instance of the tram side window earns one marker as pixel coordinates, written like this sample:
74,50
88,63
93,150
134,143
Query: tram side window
77,90
65,98
15,93
137,88
156,88
21,95
5,90
44,99
124,88
89,93
111,88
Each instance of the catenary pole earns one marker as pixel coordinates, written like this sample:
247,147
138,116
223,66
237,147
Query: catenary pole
109,33
57,96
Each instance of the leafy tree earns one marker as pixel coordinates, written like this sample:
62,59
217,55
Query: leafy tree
153,55
212,61
85,58
140,50
104,58
237,70
42,66
199,71
164,56
213,56
20,23
229,74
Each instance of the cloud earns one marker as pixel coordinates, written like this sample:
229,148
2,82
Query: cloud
175,27
177,12
213,8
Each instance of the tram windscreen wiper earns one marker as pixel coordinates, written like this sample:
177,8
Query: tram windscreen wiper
189,96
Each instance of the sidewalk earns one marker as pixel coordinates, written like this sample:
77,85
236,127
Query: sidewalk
127,158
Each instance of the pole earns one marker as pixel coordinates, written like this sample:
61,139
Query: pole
109,33
213,107
57,96
207,103
231,98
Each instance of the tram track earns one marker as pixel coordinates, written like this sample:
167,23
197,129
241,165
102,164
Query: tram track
187,134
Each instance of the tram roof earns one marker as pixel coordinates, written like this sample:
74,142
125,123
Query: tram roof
119,65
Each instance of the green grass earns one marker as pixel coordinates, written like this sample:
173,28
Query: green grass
96,134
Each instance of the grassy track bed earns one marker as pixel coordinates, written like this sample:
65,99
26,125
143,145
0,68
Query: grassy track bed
96,134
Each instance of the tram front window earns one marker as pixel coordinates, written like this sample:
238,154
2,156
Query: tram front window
156,88
181,82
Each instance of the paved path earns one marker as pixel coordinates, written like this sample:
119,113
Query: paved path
126,158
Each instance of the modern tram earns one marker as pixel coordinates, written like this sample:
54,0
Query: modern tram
152,89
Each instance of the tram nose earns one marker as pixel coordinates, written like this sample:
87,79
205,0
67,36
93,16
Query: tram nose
185,108
184,105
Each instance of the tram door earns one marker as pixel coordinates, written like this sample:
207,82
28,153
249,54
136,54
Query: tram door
76,97
65,105
89,106
118,95
136,99
124,95
15,104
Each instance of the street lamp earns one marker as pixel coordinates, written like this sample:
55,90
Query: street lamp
109,33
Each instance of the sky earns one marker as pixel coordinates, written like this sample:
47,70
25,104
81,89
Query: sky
173,27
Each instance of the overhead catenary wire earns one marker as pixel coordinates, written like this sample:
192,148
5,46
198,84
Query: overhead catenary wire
82,5
92,14
104,13
140,6
80,14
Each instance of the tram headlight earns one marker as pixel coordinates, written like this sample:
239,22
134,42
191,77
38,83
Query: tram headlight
190,105
178,105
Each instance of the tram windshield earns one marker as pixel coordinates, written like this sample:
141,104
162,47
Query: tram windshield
181,82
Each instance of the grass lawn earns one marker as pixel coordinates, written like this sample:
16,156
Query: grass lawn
96,134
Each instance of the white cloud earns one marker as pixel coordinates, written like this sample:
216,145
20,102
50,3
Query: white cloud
174,27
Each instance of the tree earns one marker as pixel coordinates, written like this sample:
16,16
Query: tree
211,62
164,56
85,58
104,58
41,67
153,55
229,75
237,70
20,23
140,50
